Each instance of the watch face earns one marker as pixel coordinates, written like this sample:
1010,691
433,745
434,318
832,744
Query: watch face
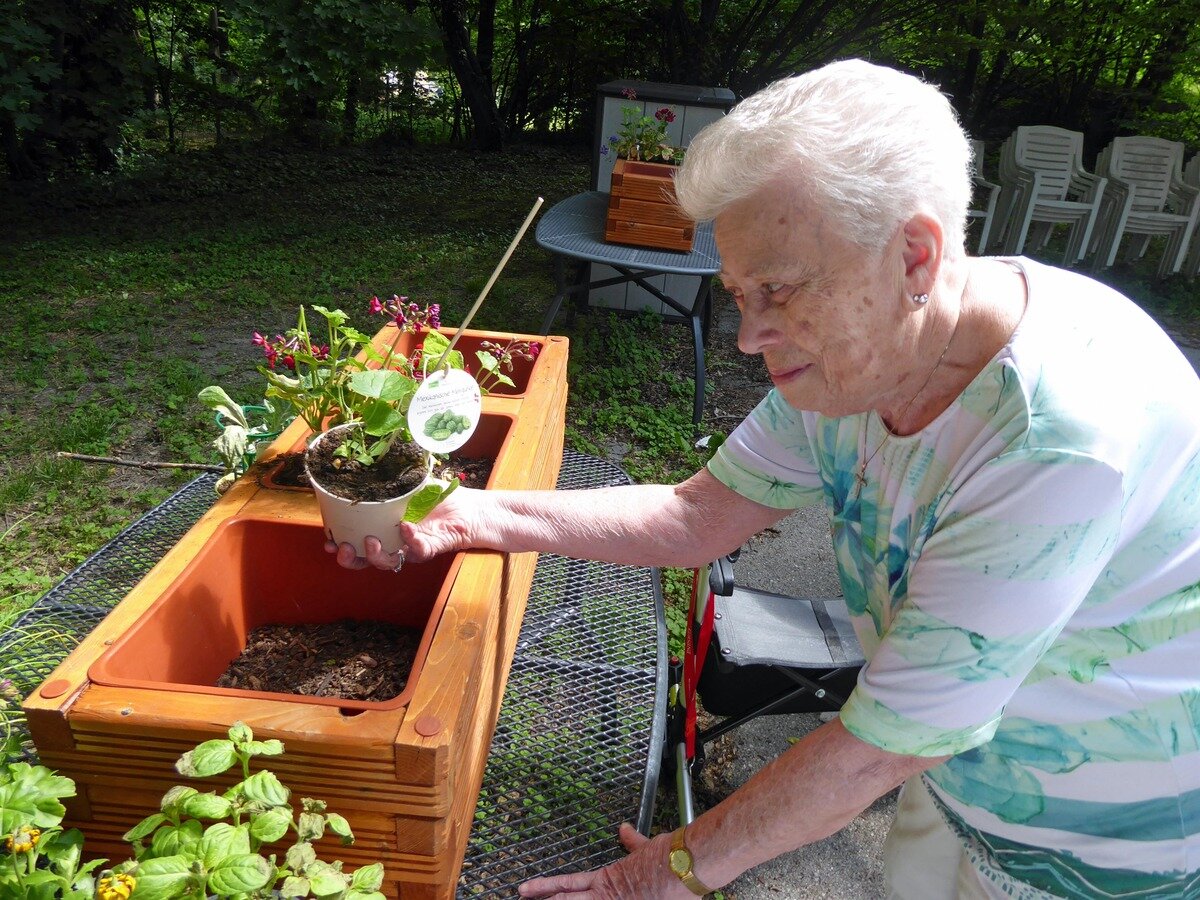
681,862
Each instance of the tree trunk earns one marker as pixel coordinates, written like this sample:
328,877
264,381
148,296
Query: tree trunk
473,81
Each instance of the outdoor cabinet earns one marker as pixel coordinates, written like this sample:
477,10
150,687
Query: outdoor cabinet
694,108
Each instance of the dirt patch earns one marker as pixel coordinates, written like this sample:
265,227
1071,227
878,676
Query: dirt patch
349,660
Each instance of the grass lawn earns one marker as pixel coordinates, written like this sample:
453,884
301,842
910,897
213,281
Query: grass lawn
124,298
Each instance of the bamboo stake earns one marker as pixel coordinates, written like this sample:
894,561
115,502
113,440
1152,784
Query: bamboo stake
138,463
487,287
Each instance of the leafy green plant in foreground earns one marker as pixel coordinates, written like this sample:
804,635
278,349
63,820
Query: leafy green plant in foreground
176,855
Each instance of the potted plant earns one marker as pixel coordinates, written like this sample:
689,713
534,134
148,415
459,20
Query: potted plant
367,467
642,210
246,430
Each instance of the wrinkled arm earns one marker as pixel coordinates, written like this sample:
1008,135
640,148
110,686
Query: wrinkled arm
806,794
684,525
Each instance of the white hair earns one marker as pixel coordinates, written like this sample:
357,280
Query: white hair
872,146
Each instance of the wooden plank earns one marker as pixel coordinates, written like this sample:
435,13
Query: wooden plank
637,234
647,212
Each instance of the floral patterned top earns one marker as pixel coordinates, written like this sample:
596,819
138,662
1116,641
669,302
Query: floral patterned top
1024,576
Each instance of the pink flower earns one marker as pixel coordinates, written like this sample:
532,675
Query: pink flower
376,306
258,340
629,94
665,115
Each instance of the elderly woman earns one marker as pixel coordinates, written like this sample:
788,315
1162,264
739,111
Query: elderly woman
1010,458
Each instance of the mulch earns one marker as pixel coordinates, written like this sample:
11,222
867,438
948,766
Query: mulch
348,659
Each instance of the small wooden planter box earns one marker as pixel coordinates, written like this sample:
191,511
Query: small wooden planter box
642,210
406,772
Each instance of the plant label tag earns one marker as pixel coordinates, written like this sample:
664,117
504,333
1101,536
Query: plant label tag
445,410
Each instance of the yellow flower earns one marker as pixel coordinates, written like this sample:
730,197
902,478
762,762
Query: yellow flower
116,887
23,839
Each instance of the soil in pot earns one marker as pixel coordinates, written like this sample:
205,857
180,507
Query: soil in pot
472,471
348,659
290,472
400,470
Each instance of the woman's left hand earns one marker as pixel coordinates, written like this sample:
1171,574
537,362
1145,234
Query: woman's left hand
642,875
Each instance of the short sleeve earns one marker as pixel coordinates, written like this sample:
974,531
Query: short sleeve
769,458
1011,557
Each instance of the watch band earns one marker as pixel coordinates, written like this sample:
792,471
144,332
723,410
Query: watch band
684,872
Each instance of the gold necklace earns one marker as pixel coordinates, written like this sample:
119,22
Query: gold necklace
860,477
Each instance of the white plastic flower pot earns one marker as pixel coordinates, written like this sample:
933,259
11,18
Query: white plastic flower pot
350,521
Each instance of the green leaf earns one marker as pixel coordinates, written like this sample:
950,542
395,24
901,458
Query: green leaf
263,787
381,418
215,398
264,748
434,346
207,806
239,875
271,825
359,895
63,849
231,444
144,827
240,733
173,799
300,856
210,758
334,317
368,878
423,501
164,879
328,883
223,840
339,826
183,840
310,826
382,384
487,361
294,886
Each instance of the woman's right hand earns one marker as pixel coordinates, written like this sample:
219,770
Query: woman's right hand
450,526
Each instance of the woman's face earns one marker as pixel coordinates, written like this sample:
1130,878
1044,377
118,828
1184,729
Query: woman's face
824,314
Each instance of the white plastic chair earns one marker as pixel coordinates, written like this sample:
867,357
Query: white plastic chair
1041,169
1191,177
1145,196
985,194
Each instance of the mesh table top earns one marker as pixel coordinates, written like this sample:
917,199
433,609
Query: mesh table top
577,745
575,227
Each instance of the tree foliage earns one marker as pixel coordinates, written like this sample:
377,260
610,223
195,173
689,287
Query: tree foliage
84,81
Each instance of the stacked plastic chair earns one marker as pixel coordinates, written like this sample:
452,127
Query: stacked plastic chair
985,196
1191,177
1043,183
1147,197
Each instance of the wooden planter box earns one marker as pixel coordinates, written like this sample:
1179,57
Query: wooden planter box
642,210
405,772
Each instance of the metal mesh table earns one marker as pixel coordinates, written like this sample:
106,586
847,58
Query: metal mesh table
574,229
578,741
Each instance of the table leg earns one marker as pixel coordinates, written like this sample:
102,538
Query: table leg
560,291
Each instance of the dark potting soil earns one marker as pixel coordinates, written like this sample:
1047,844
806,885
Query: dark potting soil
291,471
348,659
394,474
472,471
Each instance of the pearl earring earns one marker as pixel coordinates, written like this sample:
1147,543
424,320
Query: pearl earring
920,299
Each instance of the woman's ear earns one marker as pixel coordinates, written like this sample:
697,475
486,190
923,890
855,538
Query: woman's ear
922,253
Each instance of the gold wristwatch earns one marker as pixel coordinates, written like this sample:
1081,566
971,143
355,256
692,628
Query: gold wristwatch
681,864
